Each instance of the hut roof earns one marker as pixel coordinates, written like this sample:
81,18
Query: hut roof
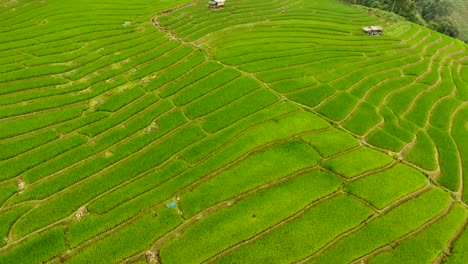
372,28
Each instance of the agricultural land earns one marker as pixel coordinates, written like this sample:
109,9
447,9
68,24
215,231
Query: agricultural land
268,131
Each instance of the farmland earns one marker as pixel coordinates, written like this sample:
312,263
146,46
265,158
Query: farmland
264,132
458,16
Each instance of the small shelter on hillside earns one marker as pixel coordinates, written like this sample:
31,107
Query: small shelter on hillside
373,30
216,4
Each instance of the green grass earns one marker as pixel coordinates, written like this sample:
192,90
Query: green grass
39,248
461,6
137,187
209,144
449,160
323,222
54,210
380,138
221,97
425,246
8,218
119,100
247,217
245,117
460,136
189,78
206,85
16,127
392,184
346,103
256,170
357,162
423,153
330,143
386,229
459,254
363,119
129,240
7,190
14,167
17,146
312,96
239,110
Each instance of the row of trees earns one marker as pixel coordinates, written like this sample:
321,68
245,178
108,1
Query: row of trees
432,13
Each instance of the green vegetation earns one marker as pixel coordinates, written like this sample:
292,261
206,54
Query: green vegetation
39,248
258,169
248,217
357,162
264,131
386,229
129,240
459,254
332,142
458,17
433,13
391,184
323,222
423,153
426,245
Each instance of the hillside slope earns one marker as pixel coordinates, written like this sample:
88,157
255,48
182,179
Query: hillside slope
267,131
460,17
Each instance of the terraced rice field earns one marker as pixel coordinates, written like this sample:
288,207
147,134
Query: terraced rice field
265,132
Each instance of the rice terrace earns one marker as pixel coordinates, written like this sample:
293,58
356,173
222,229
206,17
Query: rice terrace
266,131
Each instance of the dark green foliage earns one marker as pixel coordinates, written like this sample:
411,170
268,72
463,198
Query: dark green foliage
120,99
260,168
72,125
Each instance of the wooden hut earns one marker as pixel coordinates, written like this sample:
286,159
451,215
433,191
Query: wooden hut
215,4
373,30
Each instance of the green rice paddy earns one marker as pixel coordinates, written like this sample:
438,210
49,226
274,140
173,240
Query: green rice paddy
265,132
